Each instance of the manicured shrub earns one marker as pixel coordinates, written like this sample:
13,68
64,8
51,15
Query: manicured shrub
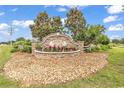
96,48
22,45
38,47
14,50
105,47
88,50
27,49
114,45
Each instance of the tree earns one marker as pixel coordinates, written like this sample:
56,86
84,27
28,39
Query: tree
116,41
122,40
56,24
75,21
90,34
20,39
103,39
44,25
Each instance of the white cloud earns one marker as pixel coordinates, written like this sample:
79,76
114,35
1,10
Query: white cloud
114,37
28,22
16,29
107,6
63,19
71,6
4,33
3,26
110,19
77,6
61,9
14,9
28,37
22,23
114,9
46,6
2,13
118,27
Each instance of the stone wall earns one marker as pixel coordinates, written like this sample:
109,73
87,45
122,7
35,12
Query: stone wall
58,39
80,45
45,55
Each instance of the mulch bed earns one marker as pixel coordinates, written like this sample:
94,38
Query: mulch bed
29,70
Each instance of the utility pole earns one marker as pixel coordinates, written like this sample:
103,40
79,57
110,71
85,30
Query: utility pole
123,8
11,33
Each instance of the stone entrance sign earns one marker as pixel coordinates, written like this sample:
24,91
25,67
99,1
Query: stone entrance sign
57,43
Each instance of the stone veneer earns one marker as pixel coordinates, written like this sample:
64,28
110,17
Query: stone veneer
45,55
57,38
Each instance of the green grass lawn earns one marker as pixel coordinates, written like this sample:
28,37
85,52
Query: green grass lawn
111,76
4,56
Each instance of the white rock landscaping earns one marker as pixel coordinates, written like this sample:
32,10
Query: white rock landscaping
30,70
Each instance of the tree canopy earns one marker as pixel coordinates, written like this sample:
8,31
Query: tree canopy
74,23
90,34
118,41
44,25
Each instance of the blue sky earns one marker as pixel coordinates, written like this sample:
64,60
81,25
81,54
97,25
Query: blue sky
112,17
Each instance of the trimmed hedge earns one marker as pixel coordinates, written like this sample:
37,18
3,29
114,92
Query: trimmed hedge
22,46
96,48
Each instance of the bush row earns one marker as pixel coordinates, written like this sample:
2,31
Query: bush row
22,46
96,48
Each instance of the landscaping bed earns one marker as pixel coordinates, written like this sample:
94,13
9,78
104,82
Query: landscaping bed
29,70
